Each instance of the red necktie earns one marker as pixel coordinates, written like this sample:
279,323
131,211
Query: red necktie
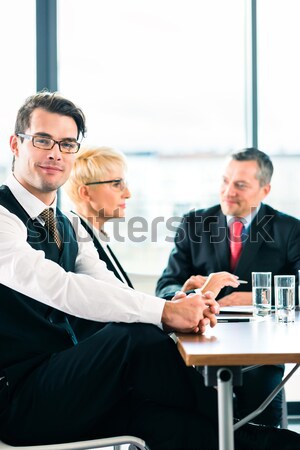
236,244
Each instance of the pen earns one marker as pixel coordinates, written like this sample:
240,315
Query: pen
238,319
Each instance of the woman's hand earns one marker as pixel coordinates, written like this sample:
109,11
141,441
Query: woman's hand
236,298
194,282
216,281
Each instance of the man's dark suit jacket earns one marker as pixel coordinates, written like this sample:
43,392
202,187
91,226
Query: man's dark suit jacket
201,247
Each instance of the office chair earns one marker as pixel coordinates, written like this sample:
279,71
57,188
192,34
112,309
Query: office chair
115,442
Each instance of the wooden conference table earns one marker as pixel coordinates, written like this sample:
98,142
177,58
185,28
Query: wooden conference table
224,349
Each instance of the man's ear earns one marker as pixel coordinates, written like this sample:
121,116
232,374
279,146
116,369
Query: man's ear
266,190
14,144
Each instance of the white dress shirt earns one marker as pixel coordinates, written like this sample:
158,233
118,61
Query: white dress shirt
92,292
246,220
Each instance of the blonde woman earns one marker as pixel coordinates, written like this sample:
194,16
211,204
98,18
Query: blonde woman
98,191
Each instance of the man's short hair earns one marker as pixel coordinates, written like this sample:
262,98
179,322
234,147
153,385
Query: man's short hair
53,103
264,163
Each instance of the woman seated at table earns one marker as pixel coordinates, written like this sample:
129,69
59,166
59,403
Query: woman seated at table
99,192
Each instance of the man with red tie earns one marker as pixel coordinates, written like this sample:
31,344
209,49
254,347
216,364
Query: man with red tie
241,235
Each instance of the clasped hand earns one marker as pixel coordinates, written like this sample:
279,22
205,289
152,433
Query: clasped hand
194,312
190,313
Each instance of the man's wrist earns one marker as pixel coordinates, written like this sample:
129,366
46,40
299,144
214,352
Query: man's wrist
166,316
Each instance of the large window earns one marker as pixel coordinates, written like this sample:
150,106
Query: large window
279,97
18,68
162,80
279,75
158,75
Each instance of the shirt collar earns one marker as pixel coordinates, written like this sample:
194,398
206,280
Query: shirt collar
32,205
246,220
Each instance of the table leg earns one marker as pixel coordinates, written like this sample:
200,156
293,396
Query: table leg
225,409
268,400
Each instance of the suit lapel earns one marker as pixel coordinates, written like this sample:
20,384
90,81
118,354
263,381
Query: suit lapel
219,237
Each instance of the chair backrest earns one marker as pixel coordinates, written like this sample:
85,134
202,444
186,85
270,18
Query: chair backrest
134,443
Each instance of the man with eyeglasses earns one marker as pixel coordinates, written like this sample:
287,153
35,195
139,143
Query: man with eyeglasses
128,377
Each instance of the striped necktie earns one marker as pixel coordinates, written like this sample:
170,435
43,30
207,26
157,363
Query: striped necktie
50,223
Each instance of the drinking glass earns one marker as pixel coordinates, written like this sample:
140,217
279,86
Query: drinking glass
262,293
285,298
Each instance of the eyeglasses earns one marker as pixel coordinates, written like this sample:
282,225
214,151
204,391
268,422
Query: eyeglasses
46,143
119,184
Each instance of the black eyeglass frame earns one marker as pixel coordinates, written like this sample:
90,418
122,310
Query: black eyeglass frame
117,180
32,138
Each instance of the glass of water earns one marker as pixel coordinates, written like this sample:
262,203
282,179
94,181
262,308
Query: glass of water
262,293
285,298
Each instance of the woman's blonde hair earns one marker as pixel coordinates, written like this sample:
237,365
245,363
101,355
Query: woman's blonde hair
92,164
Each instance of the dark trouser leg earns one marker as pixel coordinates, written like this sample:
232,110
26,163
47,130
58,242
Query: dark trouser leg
189,430
257,385
124,379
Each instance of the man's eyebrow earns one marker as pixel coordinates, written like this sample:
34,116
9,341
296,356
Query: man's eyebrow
43,134
225,177
69,139
242,181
